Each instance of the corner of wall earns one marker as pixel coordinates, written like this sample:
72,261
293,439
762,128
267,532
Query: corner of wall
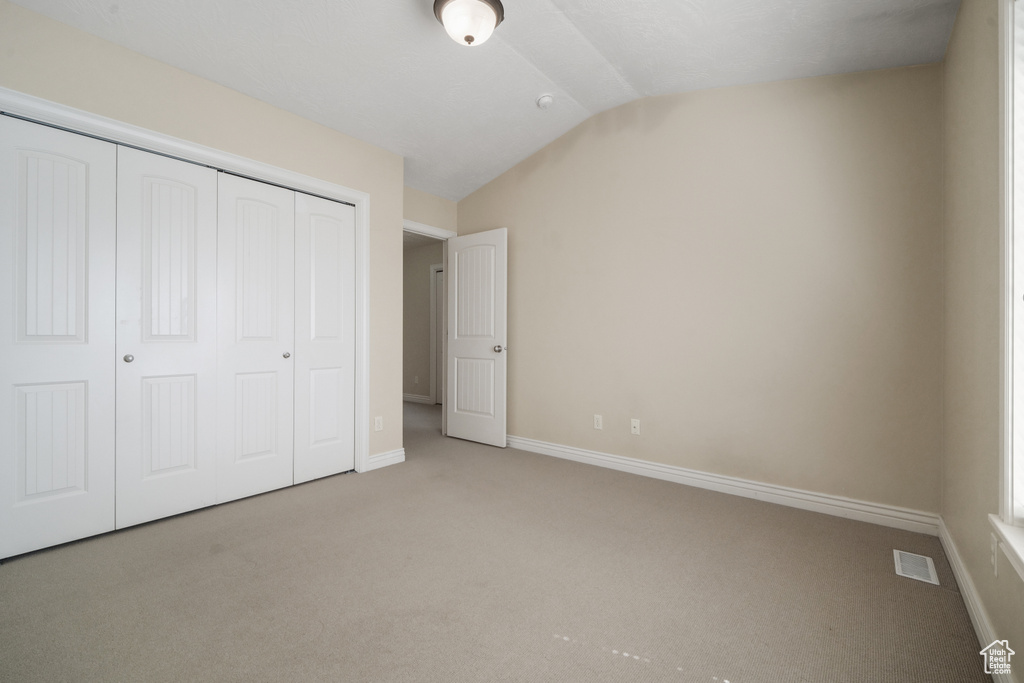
972,324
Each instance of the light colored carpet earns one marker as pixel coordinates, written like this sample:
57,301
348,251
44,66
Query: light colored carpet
470,563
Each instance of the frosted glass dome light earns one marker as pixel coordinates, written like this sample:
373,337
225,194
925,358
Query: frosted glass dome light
469,22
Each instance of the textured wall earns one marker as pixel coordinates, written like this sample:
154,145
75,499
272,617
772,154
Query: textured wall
972,368
41,57
416,337
753,272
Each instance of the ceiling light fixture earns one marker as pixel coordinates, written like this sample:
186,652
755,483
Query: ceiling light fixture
469,22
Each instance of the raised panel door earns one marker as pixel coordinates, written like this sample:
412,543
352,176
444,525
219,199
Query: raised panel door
324,337
255,338
57,231
477,333
166,336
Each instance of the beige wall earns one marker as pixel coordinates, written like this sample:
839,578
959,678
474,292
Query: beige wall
754,272
41,57
430,210
416,338
972,370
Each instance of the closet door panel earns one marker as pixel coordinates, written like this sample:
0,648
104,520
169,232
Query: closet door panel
324,338
167,327
256,301
57,231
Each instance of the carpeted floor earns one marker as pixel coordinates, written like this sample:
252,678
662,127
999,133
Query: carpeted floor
470,563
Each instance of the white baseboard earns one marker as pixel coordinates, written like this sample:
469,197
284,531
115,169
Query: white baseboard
416,398
979,616
875,513
375,462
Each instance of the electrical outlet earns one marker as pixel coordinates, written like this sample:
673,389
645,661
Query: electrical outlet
598,422
416,379
634,426
378,424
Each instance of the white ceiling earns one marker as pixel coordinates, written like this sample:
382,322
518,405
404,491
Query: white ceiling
386,72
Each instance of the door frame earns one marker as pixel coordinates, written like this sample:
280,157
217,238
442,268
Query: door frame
436,387
444,236
74,120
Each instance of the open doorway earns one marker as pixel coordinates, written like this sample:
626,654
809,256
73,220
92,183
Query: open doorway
424,324
464,355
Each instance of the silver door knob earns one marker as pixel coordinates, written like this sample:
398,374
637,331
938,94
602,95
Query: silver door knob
498,349
129,358
287,355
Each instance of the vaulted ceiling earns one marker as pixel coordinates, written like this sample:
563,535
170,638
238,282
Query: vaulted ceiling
386,72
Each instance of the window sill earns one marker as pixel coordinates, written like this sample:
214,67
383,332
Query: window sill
1011,540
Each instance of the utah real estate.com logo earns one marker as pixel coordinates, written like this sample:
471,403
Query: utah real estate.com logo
997,657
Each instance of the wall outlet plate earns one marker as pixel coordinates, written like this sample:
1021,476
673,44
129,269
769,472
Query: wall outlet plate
598,422
634,426
378,424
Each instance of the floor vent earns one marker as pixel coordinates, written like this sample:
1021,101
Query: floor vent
915,566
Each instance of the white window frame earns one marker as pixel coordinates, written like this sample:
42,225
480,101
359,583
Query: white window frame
1009,523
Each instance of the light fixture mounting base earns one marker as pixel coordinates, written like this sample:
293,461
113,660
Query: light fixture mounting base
495,5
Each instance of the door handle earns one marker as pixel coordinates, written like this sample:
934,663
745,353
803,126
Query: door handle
286,355
128,358
499,348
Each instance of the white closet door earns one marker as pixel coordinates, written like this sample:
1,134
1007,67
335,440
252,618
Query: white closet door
255,342
325,337
57,231
166,336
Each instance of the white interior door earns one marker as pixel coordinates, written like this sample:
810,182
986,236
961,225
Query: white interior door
477,274
166,336
325,337
256,335
57,232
